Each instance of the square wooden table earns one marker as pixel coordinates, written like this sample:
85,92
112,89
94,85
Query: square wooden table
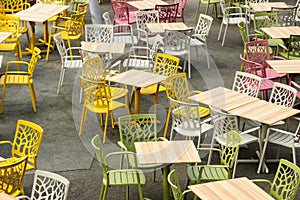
137,79
281,32
4,36
160,27
146,4
266,7
232,189
167,152
39,13
223,98
98,47
4,196
285,66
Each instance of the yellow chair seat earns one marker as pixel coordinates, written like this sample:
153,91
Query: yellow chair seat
117,93
103,109
65,35
23,29
151,90
16,79
8,47
29,165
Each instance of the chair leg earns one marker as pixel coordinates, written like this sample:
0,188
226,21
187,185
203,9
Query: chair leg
83,116
105,127
48,47
103,186
262,155
224,36
140,192
60,81
30,87
2,99
167,123
220,31
189,63
294,156
197,11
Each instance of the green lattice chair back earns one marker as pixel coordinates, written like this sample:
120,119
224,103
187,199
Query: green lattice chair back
286,181
294,46
265,20
137,128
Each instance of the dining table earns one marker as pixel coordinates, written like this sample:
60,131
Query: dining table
138,79
99,47
39,13
161,27
267,6
167,153
146,4
282,32
4,36
290,67
4,196
231,189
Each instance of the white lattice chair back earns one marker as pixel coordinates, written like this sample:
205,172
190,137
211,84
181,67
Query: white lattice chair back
98,33
283,94
247,83
203,27
144,17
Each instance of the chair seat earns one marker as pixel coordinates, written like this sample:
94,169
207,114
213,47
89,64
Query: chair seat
16,79
266,84
271,74
97,109
8,47
234,20
193,133
152,89
275,42
73,64
209,173
132,19
176,53
126,177
283,139
196,42
246,139
290,57
125,39
137,63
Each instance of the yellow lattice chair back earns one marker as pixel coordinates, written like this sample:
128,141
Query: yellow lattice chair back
14,6
9,23
12,175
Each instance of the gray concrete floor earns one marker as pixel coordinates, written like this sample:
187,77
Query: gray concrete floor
63,152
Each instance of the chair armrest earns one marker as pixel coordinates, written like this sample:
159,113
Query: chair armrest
6,142
122,145
162,139
261,181
73,48
209,149
195,92
131,161
186,191
57,27
22,197
250,130
277,58
282,131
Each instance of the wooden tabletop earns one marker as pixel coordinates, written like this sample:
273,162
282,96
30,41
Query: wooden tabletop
264,112
232,189
146,4
167,152
266,7
281,32
97,47
40,12
4,196
4,36
285,66
160,27
223,98
137,78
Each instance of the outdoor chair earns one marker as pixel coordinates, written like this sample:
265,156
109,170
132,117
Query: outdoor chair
247,83
224,170
17,74
177,43
173,181
291,50
167,13
231,16
297,87
106,18
181,7
286,16
12,176
178,88
98,99
67,61
122,14
123,33
48,185
131,175
207,3
27,141
286,181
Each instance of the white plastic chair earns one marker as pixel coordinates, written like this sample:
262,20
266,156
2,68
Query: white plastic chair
247,83
123,33
48,185
106,18
68,61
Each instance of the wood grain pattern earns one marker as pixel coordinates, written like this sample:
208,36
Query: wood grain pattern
146,4
285,66
281,32
232,189
160,27
266,7
4,36
98,47
167,152
4,196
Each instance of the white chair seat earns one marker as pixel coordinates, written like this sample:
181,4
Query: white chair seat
73,64
183,131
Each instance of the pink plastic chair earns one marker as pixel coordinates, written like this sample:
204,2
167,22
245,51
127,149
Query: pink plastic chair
167,13
122,14
256,68
180,12
258,51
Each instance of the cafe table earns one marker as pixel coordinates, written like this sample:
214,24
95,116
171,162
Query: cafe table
267,6
161,27
4,36
290,67
98,47
146,4
39,13
167,153
4,196
281,32
138,79
231,189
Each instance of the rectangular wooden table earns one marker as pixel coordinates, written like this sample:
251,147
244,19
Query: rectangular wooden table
4,36
146,4
232,189
266,7
281,32
39,13
97,47
137,79
160,27
167,152
285,66
4,196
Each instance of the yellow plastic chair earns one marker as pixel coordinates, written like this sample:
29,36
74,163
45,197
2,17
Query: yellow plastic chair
98,99
9,23
20,77
165,65
177,88
27,141
12,175
72,31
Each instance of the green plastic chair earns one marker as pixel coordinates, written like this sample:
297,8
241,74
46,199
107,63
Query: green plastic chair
292,49
175,186
223,171
138,128
286,181
126,174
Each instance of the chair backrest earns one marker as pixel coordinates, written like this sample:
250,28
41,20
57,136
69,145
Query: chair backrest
13,6
123,33
283,94
10,23
293,46
258,51
75,25
243,32
137,128
177,87
144,17
82,7
101,155
203,27
286,16
121,12
175,186
177,40
286,181
32,63
93,68
167,13
12,175
181,5
247,83
98,33
27,141
60,44
48,185
106,18
264,20
165,64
